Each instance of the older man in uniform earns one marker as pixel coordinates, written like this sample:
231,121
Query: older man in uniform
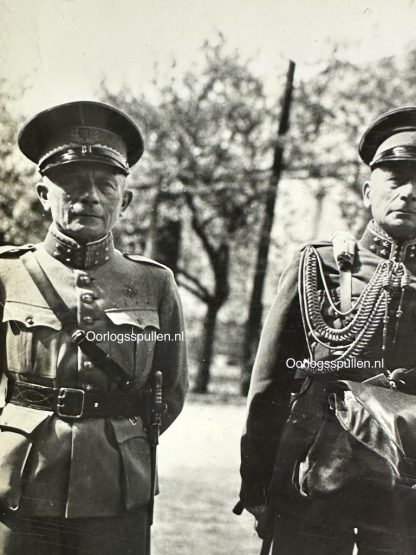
80,349
349,309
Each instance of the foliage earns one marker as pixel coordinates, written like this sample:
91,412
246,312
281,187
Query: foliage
206,143
332,110
21,216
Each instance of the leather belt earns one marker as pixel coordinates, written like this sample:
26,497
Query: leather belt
76,403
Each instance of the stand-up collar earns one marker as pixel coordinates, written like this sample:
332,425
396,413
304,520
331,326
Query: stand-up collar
78,255
376,240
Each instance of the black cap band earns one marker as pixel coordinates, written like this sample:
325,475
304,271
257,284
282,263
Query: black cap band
85,153
398,153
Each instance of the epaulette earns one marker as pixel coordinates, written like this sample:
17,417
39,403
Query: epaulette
144,260
11,251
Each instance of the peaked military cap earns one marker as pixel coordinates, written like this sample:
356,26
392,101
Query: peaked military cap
81,131
390,138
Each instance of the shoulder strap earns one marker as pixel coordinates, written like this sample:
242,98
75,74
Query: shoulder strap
144,260
66,317
10,251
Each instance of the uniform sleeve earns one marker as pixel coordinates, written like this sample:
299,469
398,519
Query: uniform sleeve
171,353
271,385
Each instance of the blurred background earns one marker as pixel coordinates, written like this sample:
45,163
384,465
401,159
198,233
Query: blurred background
247,156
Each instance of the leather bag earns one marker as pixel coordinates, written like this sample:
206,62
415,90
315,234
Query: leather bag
367,435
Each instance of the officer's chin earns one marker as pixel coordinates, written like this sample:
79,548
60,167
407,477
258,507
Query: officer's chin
86,231
401,226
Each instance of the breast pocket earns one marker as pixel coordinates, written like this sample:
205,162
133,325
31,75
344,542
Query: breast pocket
136,331
31,332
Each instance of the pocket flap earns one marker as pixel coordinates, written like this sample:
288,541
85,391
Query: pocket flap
138,317
22,418
125,428
30,315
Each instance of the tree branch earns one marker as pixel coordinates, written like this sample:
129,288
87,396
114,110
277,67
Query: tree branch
195,291
195,281
199,229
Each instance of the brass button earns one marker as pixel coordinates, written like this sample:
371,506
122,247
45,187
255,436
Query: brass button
87,387
84,280
87,298
87,319
87,364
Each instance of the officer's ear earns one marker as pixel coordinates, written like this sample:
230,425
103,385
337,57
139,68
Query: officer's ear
42,191
366,194
127,198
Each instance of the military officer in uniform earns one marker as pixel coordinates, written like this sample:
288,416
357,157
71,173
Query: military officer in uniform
80,349
353,306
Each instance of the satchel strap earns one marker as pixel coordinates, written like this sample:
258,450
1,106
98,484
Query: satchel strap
69,322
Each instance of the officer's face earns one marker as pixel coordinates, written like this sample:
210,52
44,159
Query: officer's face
85,200
391,194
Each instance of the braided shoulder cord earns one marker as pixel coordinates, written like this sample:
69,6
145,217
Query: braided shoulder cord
365,316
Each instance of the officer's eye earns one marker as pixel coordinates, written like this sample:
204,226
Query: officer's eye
107,184
398,180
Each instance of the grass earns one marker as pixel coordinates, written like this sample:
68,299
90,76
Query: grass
199,482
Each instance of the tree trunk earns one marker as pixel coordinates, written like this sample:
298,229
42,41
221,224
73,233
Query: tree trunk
165,235
220,263
207,348
319,206
166,243
253,324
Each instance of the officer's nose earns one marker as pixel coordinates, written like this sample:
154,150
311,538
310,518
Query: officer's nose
408,191
89,193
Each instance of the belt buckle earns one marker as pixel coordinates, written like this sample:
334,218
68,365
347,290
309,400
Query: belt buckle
65,393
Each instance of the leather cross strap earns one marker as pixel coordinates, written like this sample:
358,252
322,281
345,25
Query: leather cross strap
69,322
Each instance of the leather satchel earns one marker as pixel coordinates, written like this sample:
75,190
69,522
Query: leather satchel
367,435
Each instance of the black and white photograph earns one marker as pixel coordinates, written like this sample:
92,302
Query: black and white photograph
207,277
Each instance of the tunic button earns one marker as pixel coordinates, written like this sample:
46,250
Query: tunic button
87,319
30,320
84,280
87,387
87,364
87,298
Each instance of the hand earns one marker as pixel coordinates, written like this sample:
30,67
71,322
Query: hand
264,520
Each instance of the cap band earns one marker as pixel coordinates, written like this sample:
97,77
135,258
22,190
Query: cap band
83,153
395,154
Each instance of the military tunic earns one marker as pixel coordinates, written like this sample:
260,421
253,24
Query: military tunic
279,394
95,466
